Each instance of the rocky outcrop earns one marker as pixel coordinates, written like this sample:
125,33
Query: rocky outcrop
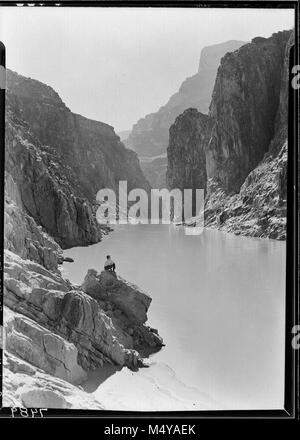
259,209
150,135
40,184
238,152
186,151
107,330
126,304
126,296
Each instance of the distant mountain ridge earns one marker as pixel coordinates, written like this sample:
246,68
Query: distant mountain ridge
150,135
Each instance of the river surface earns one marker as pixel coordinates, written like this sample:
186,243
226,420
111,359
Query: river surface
219,304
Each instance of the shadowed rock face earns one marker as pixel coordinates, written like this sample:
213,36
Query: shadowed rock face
238,151
46,189
150,135
243,109
186,154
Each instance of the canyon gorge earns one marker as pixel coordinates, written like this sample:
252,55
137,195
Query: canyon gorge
54,331
225,131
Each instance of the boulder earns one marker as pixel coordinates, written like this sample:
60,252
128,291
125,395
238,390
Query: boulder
56,305
126,296
91,285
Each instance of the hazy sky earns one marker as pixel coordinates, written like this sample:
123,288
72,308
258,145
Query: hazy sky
118,64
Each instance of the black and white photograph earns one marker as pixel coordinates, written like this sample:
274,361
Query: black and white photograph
145,208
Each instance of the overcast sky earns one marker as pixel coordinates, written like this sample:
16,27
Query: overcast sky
117,64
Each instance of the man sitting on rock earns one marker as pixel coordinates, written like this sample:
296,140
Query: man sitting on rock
109,264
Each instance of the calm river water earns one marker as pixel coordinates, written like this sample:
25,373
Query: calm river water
219,304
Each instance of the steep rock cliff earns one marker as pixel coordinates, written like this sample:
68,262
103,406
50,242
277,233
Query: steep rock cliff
58,161
149,136
45,188
244,141
90,148
244,105
23,235
186,153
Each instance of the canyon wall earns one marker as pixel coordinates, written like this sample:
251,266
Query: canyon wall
58,161
244,106
238,153
91,148
186,153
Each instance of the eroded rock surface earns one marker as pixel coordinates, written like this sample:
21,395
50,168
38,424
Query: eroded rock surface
124,295
238,153
127,306
107,330
244,106
42,348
